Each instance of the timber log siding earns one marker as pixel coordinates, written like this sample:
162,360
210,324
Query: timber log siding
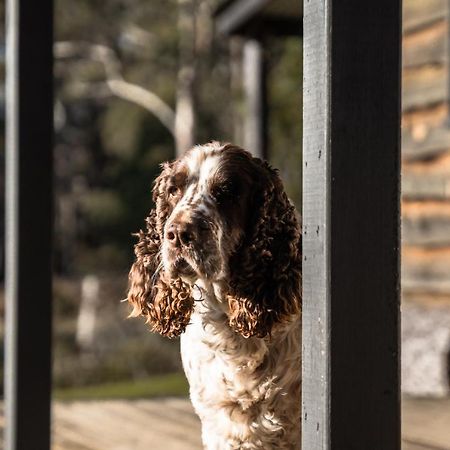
426,153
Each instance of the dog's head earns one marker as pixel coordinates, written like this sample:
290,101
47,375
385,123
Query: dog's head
221,215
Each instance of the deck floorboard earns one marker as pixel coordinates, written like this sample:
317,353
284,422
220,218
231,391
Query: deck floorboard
171,424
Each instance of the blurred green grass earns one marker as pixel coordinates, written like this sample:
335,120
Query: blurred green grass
156,386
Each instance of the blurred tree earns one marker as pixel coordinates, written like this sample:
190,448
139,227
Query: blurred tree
285,112
135,83
108,149
185,95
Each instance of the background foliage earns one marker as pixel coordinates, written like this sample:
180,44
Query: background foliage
108,151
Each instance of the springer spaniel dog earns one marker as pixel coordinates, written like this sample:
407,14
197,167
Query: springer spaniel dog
219,263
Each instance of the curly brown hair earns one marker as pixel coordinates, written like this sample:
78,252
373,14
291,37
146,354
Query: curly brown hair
165,303
265,285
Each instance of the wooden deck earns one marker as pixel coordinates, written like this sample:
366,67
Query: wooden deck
165,424
170,424
426,424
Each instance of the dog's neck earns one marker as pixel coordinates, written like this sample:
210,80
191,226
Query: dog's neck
212,304
209,325
213,295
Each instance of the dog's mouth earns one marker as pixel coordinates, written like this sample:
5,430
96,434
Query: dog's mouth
192,267
181,268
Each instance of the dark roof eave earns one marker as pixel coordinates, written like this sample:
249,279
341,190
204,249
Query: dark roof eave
232,15
259,18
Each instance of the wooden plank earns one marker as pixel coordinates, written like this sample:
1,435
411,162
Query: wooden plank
420,13
430,117
29,222
425,422
436,141
427,180
420,135
118,425
350,215
418,416
426,223
163,419
424,86
426,187
424,284
426,46
90,424
435,165
413,445
184,416
426,270
425,299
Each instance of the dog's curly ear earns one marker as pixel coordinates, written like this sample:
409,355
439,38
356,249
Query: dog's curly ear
145,268
166,304
265,287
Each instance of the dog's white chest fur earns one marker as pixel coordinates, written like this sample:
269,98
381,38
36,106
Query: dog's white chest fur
245,391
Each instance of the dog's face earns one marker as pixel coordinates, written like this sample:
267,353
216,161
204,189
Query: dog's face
208,194
221,216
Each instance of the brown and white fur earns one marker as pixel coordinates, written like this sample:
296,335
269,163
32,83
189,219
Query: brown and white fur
220,263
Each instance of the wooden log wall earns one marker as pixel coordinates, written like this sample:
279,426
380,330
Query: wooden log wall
426,152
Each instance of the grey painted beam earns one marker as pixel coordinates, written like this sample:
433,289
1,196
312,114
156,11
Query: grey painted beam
316,242
28,224
351,225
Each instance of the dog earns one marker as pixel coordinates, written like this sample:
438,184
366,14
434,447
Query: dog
219,263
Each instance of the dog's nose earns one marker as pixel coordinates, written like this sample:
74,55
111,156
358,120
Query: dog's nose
180,234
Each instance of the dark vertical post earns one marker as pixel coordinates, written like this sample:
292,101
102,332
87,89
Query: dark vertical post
28,224
351,225
255,86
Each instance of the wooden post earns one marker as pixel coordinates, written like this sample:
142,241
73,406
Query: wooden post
255,131
29,129
351,225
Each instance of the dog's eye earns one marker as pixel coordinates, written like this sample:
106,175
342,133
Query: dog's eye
173,191
226,191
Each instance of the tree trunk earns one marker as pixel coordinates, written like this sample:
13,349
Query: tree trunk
185,101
